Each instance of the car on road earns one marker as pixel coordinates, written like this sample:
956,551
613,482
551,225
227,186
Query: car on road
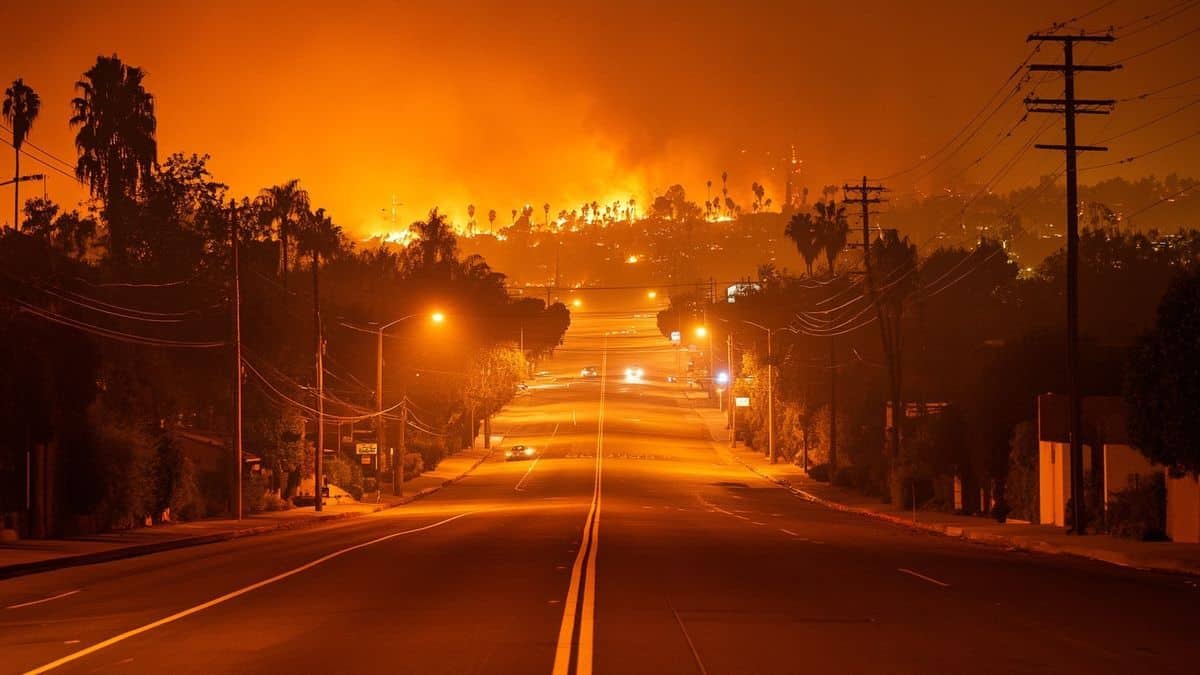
519,452
589,371
634,374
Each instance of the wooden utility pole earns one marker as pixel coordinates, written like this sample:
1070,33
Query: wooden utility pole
864,195
319,348
732,397
1069,106
239,461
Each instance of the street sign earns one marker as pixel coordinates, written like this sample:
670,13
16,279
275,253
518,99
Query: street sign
741,401
366,459
676,337
367,448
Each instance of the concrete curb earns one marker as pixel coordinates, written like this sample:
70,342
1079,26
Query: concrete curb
138,550
1000,541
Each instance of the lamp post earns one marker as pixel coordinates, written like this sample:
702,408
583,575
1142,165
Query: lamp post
770,387
381,426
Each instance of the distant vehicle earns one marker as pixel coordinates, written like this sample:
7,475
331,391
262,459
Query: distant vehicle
590,371
671,379
519,452
634,374
522,387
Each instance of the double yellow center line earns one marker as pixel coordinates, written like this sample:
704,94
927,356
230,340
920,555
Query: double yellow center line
576,633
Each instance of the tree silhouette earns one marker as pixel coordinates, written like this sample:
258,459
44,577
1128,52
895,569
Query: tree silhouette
283,206
1163,381
892,281
546,209
491,220
434,244
804,232
471,218
116,141
832,228
317,235
21,107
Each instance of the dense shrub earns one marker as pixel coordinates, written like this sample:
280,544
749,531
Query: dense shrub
1021,488
1140,510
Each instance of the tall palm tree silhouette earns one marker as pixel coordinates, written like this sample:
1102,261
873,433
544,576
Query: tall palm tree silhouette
803,230
491,220
283,206
21,107
117,140
471,218
832,230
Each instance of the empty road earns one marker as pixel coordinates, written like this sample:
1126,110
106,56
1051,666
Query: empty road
632,544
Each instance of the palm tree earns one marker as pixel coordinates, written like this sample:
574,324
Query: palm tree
802,229
832,230
491,220
471,218
21,107
317,235
116,141
433,245
284,206
546,209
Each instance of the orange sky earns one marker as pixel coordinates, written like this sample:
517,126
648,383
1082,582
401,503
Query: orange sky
501,104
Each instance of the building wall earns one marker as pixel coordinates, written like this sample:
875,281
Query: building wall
1183,509
1121,463
1054,482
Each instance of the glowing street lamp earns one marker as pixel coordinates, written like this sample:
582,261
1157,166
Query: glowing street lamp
652,294
577,303
397,466
701,331
723,378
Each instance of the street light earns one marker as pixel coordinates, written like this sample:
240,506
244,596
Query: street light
770,388
652,294
701,331
576,303
397,466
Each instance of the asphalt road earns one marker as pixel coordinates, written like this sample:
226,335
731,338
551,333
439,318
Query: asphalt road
631,545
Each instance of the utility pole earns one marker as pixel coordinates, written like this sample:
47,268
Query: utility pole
732,398
398,467
380,422
770,396
16,183
1069,106
239,461
865,195
318,460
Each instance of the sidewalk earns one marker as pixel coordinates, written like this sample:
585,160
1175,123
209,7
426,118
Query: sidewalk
1162,556
39,555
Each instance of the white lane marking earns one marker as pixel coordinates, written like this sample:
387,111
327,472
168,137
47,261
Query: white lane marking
38,602
922,576
74,656
587,550
521,483
692,645
755,522
788,532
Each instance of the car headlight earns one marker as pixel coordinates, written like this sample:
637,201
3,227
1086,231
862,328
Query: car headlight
508,453
528,451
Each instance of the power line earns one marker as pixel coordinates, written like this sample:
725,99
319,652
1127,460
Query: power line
1156,47
1167,198
1152,122
1133,158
